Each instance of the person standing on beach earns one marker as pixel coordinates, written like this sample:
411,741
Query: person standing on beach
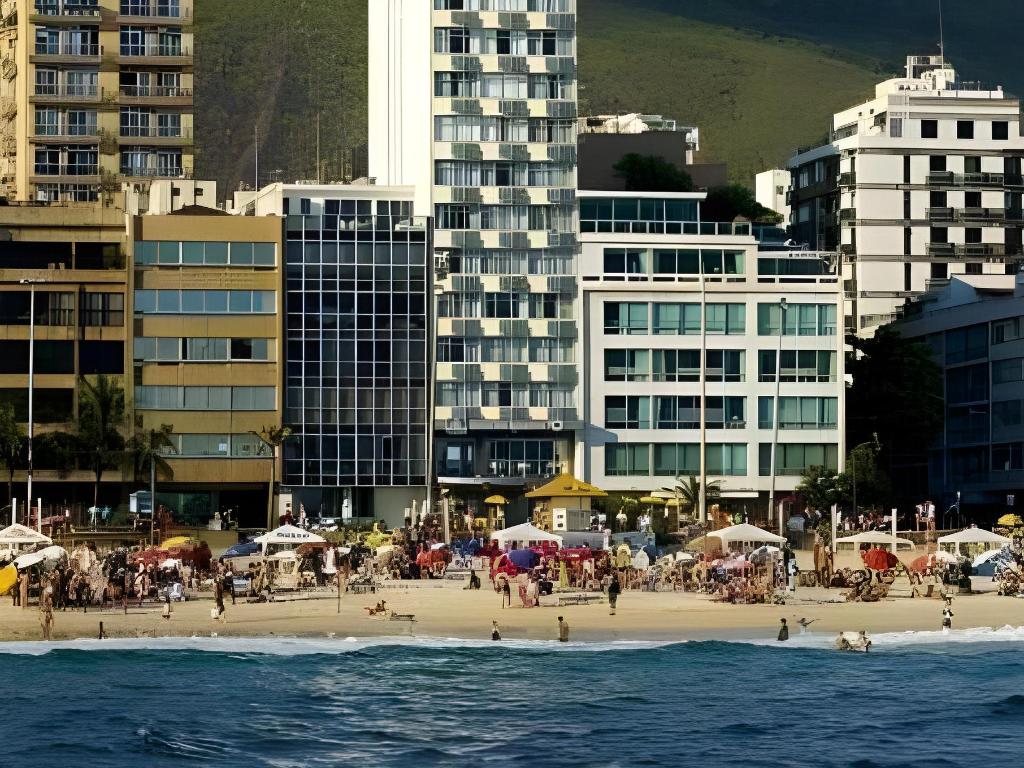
23,589
495,633
218,591
613,594
46,612
506,594
783,631
947,615
563,630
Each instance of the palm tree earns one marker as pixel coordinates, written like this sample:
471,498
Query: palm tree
12,446
100,420
148,449
687,492
273,438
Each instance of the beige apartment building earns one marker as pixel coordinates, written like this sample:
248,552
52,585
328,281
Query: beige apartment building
93,93
207,355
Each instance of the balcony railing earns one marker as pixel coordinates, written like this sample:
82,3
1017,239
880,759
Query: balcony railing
67,170
939,214
155,92
56,8
160,10
981,214
163,173
68,49
941,249
155,51
64,91
156,132
66,131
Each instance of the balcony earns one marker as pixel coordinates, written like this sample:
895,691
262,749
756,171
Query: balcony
981,214
976,250
1013,180
46,93
848,179
941,249
939,214
159,54
153,94
66,134
77,171
53,10
941,178
162,172
156,135
980,180
75,52
159,11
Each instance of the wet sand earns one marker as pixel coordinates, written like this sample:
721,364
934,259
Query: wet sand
449,611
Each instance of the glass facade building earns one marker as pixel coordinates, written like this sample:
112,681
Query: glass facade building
356,336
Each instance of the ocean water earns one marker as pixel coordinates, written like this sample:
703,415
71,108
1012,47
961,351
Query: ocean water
918,699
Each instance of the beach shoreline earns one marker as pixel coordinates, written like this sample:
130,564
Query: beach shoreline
451,612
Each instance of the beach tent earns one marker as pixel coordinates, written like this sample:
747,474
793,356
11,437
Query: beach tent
986,563
641,561
874,538
746,537
241,550
524,535
972,538
288,534
18,537
34,558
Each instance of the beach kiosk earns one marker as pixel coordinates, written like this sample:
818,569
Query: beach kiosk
745,538
17,538
525,536
564,503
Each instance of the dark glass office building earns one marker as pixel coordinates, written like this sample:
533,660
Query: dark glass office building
356,340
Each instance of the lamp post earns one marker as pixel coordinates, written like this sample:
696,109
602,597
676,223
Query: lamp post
783,306
31,283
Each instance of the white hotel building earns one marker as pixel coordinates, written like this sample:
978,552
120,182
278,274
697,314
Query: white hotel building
918,184
678,314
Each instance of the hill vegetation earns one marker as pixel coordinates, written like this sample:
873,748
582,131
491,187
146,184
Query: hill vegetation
759,77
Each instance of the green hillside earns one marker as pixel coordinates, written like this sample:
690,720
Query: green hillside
723,65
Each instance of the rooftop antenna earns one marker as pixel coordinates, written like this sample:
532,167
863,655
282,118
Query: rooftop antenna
942,38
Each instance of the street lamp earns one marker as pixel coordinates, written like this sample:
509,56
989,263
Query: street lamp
783,306
31,283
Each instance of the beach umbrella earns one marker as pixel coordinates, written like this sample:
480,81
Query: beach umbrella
179,541
879,560
1010,521
8,578
931,561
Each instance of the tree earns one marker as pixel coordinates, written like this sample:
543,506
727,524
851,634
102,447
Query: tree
897,394
687,490
734,200
273,438
148,449
12,446
649,173
57,451
101,416
821,488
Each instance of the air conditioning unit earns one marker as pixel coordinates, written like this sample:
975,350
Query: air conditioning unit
556,426
441,263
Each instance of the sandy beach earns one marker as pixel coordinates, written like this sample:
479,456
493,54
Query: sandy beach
449,611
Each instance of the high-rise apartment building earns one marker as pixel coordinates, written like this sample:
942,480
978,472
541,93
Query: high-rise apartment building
356,347
920,183
473,102
701,351
92,93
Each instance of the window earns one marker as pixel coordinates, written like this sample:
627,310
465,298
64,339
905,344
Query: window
725,412
625,319
1007,330
800,319
501,305
725,365
675,365
797,458
676,319
625,264
972,235
627,459
1008,457
205,302
937,163
799,412
798,366
676,459
1000,130
972,268
726,460
628,412
966,344
929,129
965,129
677,412
1006,372
627,365
726,319
174,253
102,310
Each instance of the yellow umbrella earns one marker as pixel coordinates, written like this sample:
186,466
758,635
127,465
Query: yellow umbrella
8,578
179,541
496,499
675,503
1010,521
653,500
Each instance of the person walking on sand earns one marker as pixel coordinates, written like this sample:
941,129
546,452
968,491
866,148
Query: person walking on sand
783,631
46,612
563,630
495,634
218,591
613,594
506,594
23,589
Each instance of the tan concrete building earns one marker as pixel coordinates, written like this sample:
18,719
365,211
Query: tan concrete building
207,355
74,258
93,92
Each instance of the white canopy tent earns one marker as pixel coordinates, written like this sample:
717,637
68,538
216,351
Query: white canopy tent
884,540
34,558
745,537
288,534
976,540
17,537
525,536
